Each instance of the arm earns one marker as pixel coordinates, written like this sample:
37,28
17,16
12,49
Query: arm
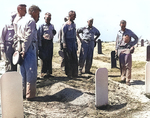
60,38
2,42
97,34
2,38
64,30
54,31
135,39
39,36
78,32
29,34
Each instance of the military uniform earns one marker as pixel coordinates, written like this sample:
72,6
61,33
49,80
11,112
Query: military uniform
26,30
125,59
70,49
6,45
45,37
87,46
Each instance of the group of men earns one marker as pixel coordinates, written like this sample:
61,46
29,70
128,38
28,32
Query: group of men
68,42
21,35
22,32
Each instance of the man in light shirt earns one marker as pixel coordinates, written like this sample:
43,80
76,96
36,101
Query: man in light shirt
7,39
124,43
28,33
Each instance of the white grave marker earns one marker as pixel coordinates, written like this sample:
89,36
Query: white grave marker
101,86
11,95
147,77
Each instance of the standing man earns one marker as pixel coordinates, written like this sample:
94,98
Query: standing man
70,46
88,39
124,43
7,38
61,44
46,33
28,32
21,11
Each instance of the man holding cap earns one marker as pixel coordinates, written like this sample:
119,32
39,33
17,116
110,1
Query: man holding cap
88,39
124,43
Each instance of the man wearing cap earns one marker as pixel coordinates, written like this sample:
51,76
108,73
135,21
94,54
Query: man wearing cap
70,46
88,39
46,34
124,49
28,33
7,39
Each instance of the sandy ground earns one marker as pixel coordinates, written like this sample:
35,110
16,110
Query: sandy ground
61,97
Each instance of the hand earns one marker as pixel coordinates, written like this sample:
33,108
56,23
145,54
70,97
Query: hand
81,40
64,45
132,50
3,55
22,54
94,43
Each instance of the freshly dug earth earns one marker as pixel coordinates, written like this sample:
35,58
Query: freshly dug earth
62,97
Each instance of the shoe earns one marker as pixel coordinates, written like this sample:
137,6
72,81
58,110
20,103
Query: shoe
88,72
69,76
123,81
43,74
50,75
128,83
74,76
80,72
30,99
24,97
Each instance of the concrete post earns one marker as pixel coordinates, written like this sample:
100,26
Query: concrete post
11,95
113,60
147,68
101,86
148,53
99,46
142,42
147,78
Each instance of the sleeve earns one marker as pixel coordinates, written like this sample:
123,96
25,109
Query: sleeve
117,42
54,31
39,35
60,35
97,33
133,35
29,33
2,38
64,30
80,30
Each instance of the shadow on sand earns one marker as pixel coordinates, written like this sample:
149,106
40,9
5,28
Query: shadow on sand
65,95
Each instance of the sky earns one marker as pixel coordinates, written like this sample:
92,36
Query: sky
107,14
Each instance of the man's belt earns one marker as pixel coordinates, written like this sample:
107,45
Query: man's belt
123,50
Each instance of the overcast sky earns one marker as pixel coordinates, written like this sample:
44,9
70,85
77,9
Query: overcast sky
106,13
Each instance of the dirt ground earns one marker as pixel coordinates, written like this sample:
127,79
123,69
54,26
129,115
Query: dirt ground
62,97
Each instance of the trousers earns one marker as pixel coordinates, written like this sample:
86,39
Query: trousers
86,55
125,61
28,71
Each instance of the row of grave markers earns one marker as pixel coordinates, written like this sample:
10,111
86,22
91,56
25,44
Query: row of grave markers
12,96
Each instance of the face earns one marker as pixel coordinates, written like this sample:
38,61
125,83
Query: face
36,15
90,23
47,18
73,16
22,11
123,25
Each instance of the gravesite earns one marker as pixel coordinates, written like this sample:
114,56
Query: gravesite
99,94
